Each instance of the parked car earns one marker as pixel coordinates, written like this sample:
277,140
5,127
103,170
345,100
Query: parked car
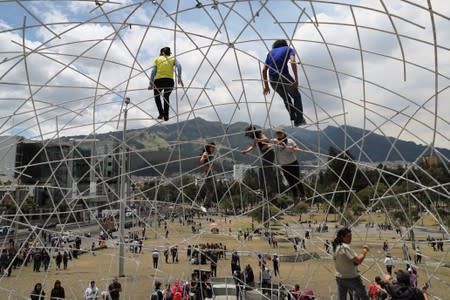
6,230
35,227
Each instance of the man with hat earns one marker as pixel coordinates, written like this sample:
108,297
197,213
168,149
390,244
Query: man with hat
402,289
286,149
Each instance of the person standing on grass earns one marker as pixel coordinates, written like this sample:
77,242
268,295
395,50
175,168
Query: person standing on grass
37,293
276,265
389,263
157,293
58,292
65,259
155,258
161,80
91,292
346,262
235,261
276,65
418,256
114,289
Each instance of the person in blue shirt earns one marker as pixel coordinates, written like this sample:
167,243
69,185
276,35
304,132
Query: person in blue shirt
276,65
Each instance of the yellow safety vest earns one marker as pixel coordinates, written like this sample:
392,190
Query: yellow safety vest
164,66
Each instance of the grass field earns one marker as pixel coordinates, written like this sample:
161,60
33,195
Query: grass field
317,274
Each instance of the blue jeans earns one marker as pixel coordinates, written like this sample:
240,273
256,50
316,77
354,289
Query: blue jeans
290,95
354,284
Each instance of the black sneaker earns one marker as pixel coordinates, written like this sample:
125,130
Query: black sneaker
166,118
160,117
300,123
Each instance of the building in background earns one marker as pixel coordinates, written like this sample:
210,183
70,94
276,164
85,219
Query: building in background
61,176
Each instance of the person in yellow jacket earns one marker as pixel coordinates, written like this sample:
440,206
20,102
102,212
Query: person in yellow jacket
161,79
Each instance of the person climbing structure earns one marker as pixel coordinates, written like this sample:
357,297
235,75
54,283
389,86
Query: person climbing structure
267,172
161,80
281,81
206,161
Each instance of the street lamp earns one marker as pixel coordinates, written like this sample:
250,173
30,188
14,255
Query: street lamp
123,193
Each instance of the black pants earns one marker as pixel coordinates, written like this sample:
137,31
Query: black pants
292,174
164,86
291,96
209,185
267,174
389,270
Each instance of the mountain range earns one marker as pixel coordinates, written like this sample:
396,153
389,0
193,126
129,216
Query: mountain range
173,147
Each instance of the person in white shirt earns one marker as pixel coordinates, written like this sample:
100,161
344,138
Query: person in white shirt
155,258
286,149
389,263
92,292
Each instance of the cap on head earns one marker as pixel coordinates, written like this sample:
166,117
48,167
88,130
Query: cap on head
280,130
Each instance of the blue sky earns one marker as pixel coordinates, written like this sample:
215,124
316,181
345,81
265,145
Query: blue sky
79,78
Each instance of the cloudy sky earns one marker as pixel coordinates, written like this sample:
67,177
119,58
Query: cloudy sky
65,66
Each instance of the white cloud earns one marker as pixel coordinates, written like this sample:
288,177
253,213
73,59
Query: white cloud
100,58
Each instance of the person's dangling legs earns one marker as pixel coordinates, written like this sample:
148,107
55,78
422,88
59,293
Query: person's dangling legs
164,86
279,86
166,104
167,91
291,97
289,172
210,191
298,106
157,93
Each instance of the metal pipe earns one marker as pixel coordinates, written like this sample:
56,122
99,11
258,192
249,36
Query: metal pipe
123,193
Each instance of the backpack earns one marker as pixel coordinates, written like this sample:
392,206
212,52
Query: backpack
177,295
168,295
373,289
156,295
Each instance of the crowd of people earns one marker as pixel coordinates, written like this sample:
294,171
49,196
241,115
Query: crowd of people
39,253
92,292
